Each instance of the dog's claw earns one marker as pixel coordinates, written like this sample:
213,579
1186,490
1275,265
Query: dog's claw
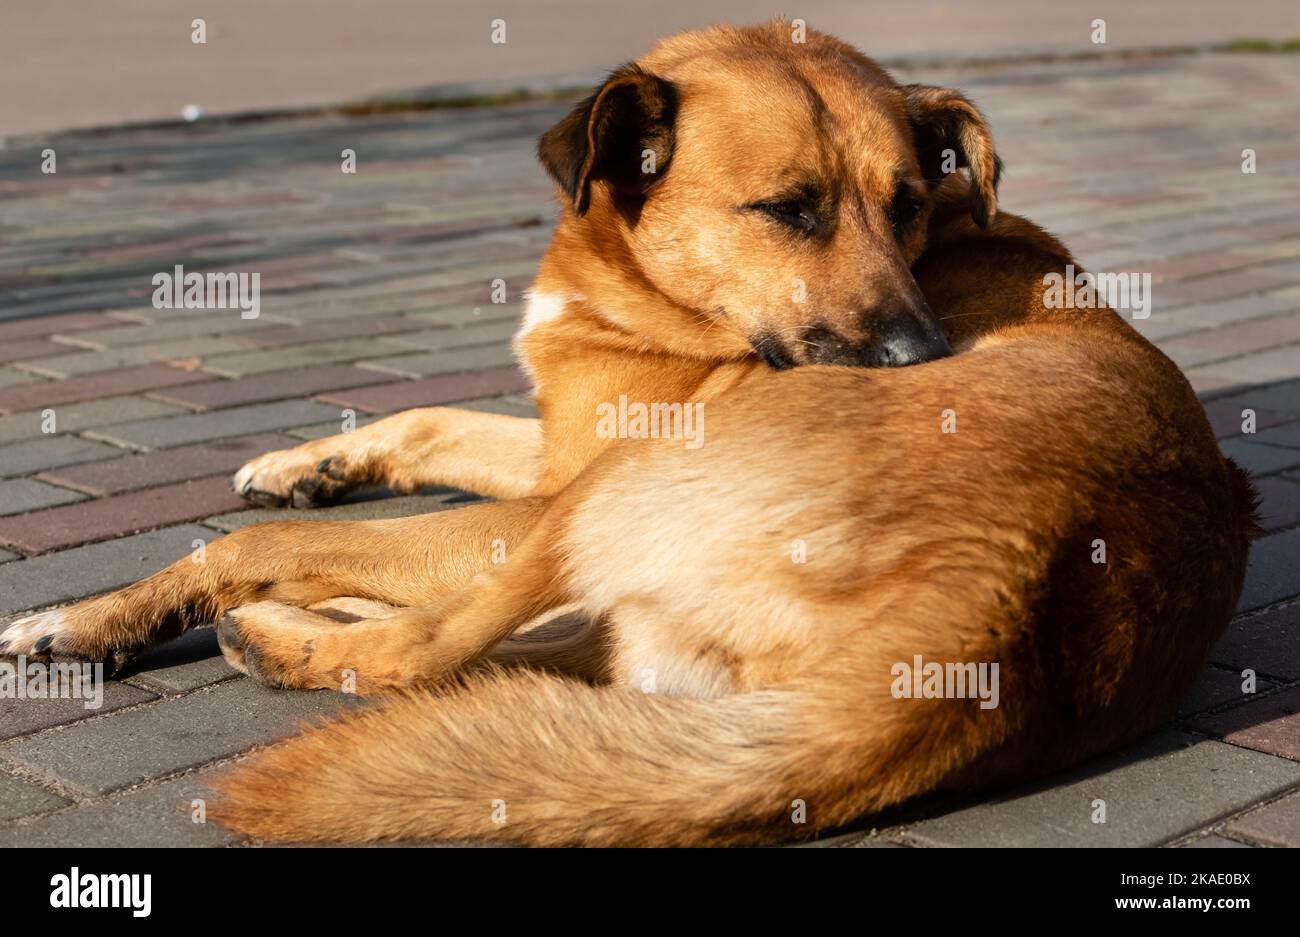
43,645
324,463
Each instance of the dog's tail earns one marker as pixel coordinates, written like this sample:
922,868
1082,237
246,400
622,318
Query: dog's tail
539,759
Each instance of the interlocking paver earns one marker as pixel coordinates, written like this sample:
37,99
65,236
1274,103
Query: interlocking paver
164,466
453,361
242,363
1277,824
1273,573
446,388
76,417
20,717
170,735
1271,724
1279,502
187,663
106,384
21,799
19,495
53,325
274,385
1268,643
97,567
154,816
34,455
236,421
100,519
91,362
1153,792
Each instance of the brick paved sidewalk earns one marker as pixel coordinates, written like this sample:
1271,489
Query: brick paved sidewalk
376,296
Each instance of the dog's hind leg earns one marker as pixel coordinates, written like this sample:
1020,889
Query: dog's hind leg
487,453
408,561
285,646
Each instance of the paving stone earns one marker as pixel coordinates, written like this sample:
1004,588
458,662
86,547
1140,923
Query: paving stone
1280,502
162,815
30,350
106,384
1226,417
1154,792
101,519
33,455
454,361
1259,459
1214,842
446,388
11,378
1258,368
512,405
1239,339
299,356
52,325
165,466
214,323
197,427
171,735
1271,724
111,359
1273,573
1267,643
1286,435
1217,687
76,417
475,333
275,385
360,326
191,661
1277,824
1282,397
20,799
355,511
19,495
99,567
20,717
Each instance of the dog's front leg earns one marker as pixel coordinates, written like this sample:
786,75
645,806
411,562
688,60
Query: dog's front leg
407,562
487,453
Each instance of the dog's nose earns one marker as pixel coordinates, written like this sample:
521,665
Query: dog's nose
907,339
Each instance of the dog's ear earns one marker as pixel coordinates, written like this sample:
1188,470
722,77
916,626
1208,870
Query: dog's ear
951,133
607,137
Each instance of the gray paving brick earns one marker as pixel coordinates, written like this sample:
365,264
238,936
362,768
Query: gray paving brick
20,495
90,362
1267,643
1217,687
299,356
1277,824
191,661
1273,573
84,571
1214,841
1286,435
35,455
20,799
452,361
171,735
1154,792
1257,458
25,716
355,511
199,427
510,405
162,815
73,418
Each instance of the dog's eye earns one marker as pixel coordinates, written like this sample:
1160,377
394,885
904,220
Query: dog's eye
903,210
797,215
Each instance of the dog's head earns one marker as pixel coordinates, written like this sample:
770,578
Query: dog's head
777,188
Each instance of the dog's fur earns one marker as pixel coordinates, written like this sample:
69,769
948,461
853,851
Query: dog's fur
796,216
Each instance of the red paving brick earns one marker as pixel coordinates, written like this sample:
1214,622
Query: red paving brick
121,514
31,348
1269,725
93,386
53,325
275,385
165,466
431,391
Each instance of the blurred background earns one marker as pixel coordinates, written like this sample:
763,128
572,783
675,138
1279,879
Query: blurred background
72,65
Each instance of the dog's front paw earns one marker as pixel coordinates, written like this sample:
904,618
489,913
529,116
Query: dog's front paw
42,633
300,478
276,644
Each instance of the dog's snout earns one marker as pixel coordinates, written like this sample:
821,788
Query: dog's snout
909,339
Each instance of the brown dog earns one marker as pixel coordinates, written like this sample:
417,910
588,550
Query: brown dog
1049,499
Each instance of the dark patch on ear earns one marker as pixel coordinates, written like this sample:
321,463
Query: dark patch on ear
944,121
604,136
